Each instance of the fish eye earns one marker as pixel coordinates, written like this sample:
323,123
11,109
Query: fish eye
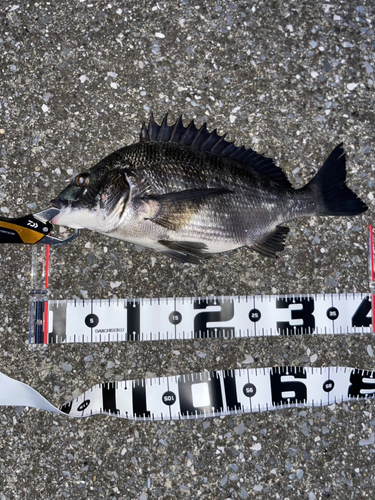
82,180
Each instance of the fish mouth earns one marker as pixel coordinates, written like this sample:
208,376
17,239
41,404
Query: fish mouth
59,204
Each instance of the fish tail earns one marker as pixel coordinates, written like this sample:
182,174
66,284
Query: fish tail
332,195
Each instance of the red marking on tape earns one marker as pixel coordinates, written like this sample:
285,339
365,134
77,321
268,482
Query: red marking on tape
46,303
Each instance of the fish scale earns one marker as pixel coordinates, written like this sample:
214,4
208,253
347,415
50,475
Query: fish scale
189,193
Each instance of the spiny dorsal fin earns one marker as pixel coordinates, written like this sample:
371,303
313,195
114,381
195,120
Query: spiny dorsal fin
201,139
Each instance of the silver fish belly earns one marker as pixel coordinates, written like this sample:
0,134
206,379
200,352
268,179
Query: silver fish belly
188,193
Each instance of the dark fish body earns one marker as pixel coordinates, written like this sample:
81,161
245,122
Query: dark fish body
188,193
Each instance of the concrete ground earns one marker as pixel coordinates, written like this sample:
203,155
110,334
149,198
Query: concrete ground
292,80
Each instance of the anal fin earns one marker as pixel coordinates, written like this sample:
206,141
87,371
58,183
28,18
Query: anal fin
274,242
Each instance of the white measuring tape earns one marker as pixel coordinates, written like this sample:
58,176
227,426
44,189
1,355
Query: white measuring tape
180,318
206,394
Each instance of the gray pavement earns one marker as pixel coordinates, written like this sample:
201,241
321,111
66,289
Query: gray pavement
292,80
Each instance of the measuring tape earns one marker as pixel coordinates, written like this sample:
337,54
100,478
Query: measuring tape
80,321
214,393
116,320
206,394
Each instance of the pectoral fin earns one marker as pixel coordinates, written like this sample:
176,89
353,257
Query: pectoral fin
185,251
174,210
273,243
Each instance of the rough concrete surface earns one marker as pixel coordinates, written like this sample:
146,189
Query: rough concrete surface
292,80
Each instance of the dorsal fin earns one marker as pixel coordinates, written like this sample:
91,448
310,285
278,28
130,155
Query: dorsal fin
201,139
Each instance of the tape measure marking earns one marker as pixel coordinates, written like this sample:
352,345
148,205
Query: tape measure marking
206,394
119,320
214,393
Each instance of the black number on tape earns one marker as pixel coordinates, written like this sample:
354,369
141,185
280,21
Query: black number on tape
201,329
249,390
231,391
109,398
139,400
83,405
175,317
304,316
360,387
360,316
91,320
284,392
133,310
328,385
169,398
199,395
332,313
254,315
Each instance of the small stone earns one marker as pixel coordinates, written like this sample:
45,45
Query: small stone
366,442
244,494
352,86
304,429
299,473
224,481
240,429
249,359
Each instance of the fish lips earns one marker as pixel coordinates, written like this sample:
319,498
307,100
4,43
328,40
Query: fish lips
58,203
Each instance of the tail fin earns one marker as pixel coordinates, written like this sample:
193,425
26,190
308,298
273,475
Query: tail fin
332,194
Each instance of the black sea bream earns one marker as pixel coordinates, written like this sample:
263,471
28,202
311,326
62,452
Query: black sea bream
189,193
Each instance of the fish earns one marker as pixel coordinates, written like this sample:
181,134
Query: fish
189,193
